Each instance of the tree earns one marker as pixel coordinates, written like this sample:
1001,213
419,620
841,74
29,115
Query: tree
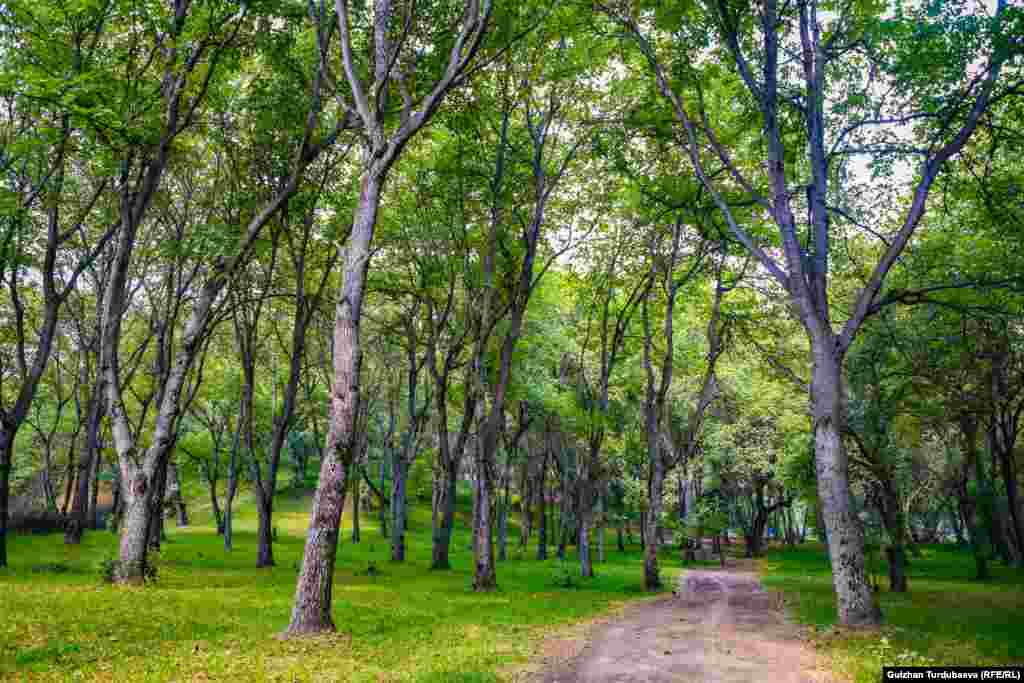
393,65
804,109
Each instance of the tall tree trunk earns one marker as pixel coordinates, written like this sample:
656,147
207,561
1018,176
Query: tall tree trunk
6,459
314,588
399,475
564,518
972,508
643,529
137,497
855,599
78,519
484,578
218,516
264,529
442,538
94,495
895,526
526,516
656,487
177,499
117,506
232,488
542,513
156,514
382,508
1009,470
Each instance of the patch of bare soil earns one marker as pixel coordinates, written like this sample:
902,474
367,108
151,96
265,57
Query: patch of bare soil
721,626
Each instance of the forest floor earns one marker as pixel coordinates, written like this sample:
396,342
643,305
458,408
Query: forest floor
212,616
947,617
720,626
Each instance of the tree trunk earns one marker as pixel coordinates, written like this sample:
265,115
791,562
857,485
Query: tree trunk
218,516
652,577
177,500
6,458
383,509
443,531
755,539
484,577
973,509
1009,469
896,556
232,488
313,592
855,600
399,474
564,517
529,494
117,506
643,529
94,495
264,529
137,496
542,516
77,521
69,485
583,547
156,512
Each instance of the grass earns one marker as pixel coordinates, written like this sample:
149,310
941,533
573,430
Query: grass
945,619
212,616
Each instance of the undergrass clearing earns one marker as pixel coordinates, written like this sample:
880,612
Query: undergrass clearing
945,619
212,615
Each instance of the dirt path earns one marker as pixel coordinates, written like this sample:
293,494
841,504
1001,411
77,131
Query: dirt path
721,627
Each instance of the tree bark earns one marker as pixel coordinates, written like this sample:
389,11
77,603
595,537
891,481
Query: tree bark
137,496
77,521
855,600
895,526
655,492
177,499
399,505
232,488
442,537
484,577
542,512
383,509
6,459
313,592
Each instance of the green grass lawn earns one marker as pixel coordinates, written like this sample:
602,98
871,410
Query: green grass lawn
213,616
946,618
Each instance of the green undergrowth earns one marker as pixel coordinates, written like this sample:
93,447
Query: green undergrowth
212,615
945,619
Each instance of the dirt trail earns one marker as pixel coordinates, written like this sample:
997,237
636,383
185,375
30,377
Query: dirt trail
721,627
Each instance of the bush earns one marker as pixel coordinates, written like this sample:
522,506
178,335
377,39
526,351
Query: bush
564,575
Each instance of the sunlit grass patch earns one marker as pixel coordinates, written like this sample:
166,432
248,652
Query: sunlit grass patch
211,615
